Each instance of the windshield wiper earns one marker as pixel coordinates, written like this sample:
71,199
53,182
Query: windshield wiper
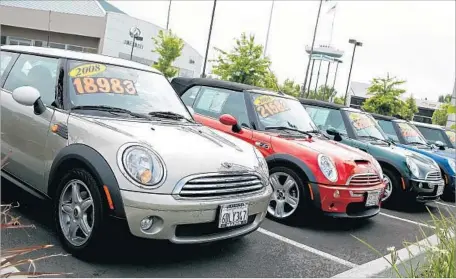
113,110
375,138
318,132
168,115
417,142
288,129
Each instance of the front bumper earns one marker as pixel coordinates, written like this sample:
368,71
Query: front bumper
189,221
427,191
348,202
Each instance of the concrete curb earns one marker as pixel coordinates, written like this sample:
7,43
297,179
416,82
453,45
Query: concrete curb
11,269
380,268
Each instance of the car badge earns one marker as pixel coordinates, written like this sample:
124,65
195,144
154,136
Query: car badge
227,165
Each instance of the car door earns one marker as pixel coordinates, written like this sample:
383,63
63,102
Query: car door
24,134
210,103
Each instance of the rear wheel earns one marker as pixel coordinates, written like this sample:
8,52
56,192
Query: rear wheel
289,198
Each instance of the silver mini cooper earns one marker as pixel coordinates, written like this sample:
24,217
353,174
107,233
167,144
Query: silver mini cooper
105,137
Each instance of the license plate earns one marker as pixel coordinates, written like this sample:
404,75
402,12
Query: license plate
373,198
440,189
232,215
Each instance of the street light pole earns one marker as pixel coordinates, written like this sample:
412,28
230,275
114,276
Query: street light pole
335,75
132,47
311,49
269,28
208,40
169,12
355,44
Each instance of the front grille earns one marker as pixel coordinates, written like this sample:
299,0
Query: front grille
218,185
434,176
363,180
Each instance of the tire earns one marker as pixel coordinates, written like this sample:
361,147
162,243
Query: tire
93,217
297,192
394,196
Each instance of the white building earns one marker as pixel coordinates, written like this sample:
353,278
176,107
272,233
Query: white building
452,117
88,26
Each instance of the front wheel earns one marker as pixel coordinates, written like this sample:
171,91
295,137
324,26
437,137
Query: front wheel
289,198
392,188
79,213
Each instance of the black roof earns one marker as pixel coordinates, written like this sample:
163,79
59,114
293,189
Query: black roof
319,103
182,84
383,117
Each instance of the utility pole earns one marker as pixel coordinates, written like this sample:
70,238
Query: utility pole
169,12
269,28
208,40
355,44
311,49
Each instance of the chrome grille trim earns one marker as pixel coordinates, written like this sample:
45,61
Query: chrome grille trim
364,180
218,185
433,176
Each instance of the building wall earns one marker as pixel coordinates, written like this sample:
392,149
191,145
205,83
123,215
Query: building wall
118,43
64,27
452,117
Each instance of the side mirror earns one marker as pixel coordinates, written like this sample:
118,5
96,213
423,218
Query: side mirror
29,96
335,133
192,111
229,120
440,145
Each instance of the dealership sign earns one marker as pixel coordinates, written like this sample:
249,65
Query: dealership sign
134,32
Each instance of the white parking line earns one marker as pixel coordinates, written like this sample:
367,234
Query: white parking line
445,204
307,248
406,220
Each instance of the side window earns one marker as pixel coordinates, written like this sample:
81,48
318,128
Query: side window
326,118
190,95
5,59
388,128
37,71
214,102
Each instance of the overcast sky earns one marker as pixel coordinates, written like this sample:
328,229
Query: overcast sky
413,40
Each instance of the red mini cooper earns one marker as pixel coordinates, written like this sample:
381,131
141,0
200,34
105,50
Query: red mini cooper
305,167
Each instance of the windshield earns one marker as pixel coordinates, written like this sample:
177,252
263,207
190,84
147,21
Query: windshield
434,135
451,136
411,135
95,84
365,125
274,111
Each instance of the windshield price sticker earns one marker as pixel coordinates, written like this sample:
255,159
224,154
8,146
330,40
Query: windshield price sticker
87,70
407,131
268,106
361,121
94,85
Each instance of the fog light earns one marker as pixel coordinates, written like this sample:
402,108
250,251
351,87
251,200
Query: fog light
146,223
420,185
336,194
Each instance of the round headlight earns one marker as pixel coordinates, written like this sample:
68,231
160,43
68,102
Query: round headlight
327,167
379,168
413,167
452,164
142,165
262,162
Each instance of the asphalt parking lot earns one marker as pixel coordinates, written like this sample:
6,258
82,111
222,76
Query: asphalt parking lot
319,248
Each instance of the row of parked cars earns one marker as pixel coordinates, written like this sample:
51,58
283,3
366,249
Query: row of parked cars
107,139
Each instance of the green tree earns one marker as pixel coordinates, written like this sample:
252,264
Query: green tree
324,93
339,100
440,116
244,63
169,47
445,98
410,108
385,94
451,110
291,88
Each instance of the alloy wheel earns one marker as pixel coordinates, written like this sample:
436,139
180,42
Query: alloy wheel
76,212
388,188
285,198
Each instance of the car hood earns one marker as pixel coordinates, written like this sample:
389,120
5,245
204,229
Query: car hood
187,149
398,150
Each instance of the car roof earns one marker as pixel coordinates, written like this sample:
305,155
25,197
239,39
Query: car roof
427,125
383,117
79,56
181,84
318,103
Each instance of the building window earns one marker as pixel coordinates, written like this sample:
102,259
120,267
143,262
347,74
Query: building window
57,45
3,40
74,48
19,41
90,50
38,43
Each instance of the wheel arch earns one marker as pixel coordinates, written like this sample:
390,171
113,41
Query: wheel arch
297,165
83,156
